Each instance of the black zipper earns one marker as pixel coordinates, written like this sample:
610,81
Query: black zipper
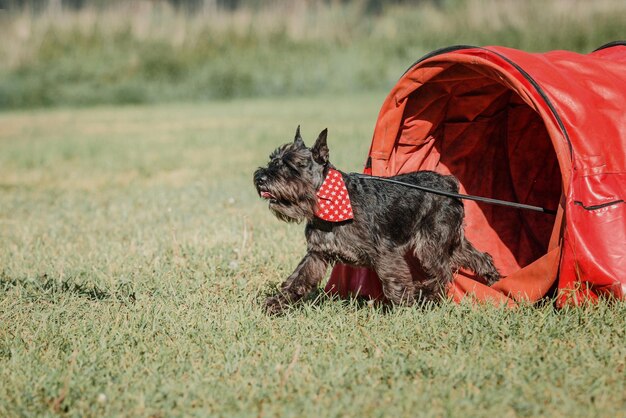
610,45
594,207
439,52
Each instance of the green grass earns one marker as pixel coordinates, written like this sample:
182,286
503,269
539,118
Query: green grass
134,256
144,52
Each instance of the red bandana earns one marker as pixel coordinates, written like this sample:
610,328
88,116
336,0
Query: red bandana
333,202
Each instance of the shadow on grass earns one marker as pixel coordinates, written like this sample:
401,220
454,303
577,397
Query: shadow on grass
45,285
319,298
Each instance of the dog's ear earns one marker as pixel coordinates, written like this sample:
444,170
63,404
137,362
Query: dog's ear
297,140
320,149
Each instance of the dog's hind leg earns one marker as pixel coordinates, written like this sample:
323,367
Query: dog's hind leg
465,255
395,276
305,278
435,263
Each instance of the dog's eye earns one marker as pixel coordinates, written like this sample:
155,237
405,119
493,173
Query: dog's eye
291,165
276,162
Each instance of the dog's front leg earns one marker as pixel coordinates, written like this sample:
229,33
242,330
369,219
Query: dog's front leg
395,275
300,283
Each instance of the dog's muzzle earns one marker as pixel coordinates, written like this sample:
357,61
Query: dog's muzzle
260,181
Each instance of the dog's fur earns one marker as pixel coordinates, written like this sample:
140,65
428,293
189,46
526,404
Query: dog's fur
393,227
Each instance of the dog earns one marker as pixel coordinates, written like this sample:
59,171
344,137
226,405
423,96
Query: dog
357,221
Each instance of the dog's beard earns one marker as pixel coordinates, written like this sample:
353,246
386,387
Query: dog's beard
293,202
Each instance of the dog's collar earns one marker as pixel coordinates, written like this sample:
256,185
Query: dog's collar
333,201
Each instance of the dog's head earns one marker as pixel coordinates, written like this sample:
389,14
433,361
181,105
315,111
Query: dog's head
292,177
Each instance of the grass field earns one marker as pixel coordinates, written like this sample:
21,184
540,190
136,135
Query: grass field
134,254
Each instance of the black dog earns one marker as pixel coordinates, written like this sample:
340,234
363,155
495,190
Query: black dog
362,222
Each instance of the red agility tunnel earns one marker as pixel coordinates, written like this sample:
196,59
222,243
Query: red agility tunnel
545,129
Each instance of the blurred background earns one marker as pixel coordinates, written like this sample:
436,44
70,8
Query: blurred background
86,52
135,252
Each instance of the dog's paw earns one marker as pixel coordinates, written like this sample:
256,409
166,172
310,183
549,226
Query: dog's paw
276,305
492,278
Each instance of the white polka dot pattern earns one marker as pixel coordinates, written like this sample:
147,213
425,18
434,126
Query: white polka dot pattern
333,202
